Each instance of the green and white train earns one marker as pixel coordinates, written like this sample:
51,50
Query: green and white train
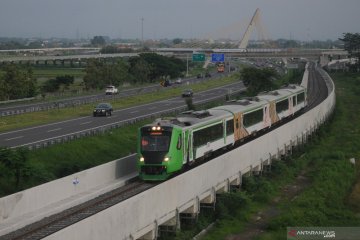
169,144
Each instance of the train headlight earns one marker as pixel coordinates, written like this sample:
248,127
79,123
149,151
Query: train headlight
142,159
166,159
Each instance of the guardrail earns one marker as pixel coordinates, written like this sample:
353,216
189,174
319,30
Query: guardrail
77,102
104,128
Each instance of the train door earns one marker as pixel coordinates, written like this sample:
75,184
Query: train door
266,116
291,106
239,131
187,143
272,112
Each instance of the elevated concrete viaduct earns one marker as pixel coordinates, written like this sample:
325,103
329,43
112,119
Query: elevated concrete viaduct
160,208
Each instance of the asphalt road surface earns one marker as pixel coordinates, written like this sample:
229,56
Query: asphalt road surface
37,134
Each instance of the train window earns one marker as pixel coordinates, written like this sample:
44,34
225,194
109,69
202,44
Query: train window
155,143
294,101
208,134
230,127
253,118
301,97
178,145
282,106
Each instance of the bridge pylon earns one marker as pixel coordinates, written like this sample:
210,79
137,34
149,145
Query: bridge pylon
254,23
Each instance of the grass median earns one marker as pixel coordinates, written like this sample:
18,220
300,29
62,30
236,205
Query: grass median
54,115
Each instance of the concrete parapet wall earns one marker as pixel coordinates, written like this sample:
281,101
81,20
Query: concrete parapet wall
140,215
49,195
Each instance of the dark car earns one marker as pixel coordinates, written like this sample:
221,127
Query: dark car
103,109
187,93
199,75
207,74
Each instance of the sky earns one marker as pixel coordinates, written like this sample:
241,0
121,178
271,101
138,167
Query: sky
291,19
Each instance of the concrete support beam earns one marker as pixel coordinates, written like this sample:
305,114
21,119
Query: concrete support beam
222,187
149,232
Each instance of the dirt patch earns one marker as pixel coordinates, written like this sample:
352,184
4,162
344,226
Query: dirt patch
259,222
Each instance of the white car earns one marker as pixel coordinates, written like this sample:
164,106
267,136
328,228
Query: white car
110,90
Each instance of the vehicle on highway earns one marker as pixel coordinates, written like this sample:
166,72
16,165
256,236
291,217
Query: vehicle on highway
220,67
187,93
110,90
166,83
167,145
199,75
207,74
103,109
178,81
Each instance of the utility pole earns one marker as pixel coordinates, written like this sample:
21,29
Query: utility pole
142,32
187,65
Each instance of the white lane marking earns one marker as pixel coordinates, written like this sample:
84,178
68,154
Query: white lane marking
134,111
53,130
85,123
9,139
152,108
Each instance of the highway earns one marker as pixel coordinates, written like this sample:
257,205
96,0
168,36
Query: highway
33,135
15,109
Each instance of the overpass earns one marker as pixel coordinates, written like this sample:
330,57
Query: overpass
145,214
183,53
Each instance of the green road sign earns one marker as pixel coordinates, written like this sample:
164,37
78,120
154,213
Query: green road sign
198,57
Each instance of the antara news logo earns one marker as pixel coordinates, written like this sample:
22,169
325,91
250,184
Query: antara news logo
309,234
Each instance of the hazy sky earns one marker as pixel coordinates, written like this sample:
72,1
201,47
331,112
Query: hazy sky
296,19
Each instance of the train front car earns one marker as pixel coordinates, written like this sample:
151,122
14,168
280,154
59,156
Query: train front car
159,151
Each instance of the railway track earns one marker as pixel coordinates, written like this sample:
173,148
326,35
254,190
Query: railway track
317,89
317,92
54,223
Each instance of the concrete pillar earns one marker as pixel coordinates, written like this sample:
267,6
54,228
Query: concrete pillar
209,200
171,225
257,169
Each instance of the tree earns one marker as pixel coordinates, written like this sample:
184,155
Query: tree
177,40
53,85
17,83
99,74
258,80
15,162
352,45
163,67
140,69
98,41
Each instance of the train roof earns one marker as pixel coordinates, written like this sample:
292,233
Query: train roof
194,118
281,93
243,105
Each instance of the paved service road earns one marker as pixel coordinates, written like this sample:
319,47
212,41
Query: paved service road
31,135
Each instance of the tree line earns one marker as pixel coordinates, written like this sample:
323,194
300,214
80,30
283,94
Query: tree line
18,82
145,68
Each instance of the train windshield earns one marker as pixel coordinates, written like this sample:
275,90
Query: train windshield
155,141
